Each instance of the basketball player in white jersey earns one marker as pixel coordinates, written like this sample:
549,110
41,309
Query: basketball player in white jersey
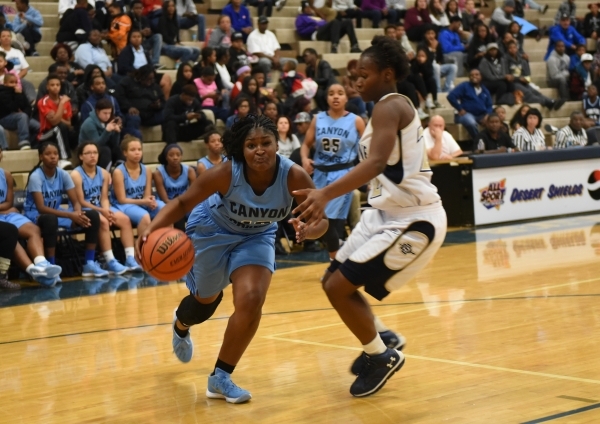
406,225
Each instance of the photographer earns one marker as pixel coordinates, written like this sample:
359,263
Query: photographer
103,128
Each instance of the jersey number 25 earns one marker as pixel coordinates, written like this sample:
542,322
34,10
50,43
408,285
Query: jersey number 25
331,144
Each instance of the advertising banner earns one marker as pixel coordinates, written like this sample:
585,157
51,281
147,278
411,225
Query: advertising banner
515,193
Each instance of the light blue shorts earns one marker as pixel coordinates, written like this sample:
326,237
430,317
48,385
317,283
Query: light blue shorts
15,219
339,207
136,213
219,253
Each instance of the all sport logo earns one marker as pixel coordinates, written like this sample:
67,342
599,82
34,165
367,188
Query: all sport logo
492,196
594,185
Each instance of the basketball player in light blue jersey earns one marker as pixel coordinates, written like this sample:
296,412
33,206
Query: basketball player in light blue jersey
235,209
171,178
91,184
334,135
132,186
405,227
215,153
45,189
41,270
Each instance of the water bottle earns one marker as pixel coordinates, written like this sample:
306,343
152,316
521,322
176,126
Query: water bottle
481,145
194,38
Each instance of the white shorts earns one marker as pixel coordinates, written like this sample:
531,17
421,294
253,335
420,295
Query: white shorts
388,248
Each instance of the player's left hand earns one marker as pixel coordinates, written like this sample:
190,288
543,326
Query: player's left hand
312,210
300,228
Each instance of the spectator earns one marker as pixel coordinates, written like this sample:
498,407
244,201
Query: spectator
152,43
130,122
495,78
66,88
224,75
452,47
75,25
241,109
453,10
416,20
287,141
493,138
501,112
473,103
134,57
516,66
471,17
55,120
302,122
557,70
514,29
439,143
581,77
103,128
238,56
168,26
478,45
241,74
13,55
92,53
347,9
140,94
14,112
241,21
189,17
518,119
529,137
63,56
320,72
531,4
263,7
591,107
263,44
310,27
568,8
185,76
209,94
438,15
564,32
576,57
221,34
591,22
502,17
120,25
436,56
84,90
573,134
28,23
401,36
376,10
421,73
64,5
4,65
251,92
153,10
270,111
184,120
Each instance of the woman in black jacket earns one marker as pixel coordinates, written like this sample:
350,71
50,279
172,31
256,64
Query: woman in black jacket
591,22
477,46
141,94
422,76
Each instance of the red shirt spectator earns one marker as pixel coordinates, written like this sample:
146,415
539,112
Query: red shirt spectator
150,5
47,105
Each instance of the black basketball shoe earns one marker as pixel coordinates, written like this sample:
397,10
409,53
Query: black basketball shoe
376,371
390,339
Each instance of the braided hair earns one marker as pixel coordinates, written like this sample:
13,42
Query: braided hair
233,140
41,149
386,52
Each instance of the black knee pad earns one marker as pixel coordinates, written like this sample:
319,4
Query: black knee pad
91,232
49,229
192,312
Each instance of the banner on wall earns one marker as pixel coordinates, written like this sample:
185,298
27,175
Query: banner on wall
516,193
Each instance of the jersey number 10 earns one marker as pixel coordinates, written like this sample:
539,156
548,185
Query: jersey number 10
331,144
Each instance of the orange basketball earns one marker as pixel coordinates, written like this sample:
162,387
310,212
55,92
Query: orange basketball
167,254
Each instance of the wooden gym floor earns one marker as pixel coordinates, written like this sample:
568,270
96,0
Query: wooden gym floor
502,327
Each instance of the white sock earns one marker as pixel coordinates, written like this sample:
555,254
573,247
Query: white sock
28,269
108,255
38,259
375,347
380,326
130,251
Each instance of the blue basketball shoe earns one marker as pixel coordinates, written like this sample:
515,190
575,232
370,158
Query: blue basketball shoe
182,347
390,339
376,371
220,386
132,264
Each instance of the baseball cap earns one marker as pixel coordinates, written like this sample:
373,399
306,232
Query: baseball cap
491,46
302,117
263,20
237,36
565,16
586,57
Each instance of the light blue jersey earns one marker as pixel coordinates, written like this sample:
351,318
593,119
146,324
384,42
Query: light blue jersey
236,229
14,218
134,189
207,163
92,187
336,149
336,140
52,189
3,186
178,186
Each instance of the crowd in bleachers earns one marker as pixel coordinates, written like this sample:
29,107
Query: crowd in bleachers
110,79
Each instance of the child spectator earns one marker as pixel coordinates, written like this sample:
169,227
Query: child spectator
183,78
241,109
270,111
501,112
215,153
7,68
209,95
302,122
581,77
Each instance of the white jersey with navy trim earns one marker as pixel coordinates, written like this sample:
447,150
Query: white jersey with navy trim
406,180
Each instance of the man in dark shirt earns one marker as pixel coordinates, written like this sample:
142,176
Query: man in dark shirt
152,42
492,138
238,57
184,120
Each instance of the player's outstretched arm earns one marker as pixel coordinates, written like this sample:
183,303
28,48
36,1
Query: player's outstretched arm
216,179
299,179
389,116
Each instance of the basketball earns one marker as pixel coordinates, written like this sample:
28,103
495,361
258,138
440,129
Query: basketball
167,254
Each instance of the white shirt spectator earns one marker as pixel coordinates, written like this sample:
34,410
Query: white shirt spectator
64,5
17,58
86,54
565,138
265,43
287,146
225,76
449,144
342,5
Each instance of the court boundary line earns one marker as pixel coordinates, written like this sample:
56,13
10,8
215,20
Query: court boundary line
563,414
